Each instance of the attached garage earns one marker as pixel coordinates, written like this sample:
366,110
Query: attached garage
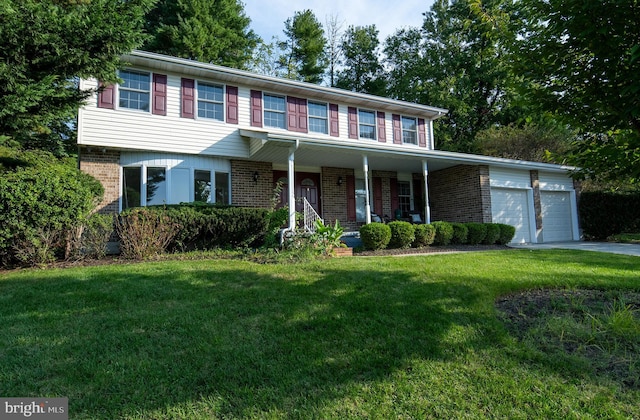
512,202
558,208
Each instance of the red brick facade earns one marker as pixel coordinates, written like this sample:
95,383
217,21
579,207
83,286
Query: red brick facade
460,194
104,165
334,197
245,191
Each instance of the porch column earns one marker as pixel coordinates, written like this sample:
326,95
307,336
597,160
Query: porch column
427,208
292,190
367,205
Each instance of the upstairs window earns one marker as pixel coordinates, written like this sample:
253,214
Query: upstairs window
367,124
318,117
409,130
210,101
135,90
274,111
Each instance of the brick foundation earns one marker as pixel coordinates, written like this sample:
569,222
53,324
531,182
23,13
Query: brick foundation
104,165
460,194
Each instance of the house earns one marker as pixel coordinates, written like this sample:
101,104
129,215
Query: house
178,130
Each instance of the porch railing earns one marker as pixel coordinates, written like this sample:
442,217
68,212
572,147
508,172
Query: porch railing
310,217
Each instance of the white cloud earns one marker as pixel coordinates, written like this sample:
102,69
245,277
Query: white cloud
268,16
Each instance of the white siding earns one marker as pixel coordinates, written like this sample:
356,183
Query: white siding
509,178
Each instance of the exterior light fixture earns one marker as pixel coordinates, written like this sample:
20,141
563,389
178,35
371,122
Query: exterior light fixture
339,181
256,175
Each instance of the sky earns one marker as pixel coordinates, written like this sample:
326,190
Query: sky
268,16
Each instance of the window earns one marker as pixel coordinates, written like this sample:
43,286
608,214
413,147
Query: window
367,124
409,130
274,111
210,101
202,186
404,196
156,186
134,90
131,187
361,195
222,188
318,117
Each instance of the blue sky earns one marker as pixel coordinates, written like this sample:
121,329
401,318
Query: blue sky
268,16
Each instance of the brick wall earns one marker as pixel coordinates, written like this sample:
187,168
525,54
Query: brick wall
334,197
460,194
244,190
104,165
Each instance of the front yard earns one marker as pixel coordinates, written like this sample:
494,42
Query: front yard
369,337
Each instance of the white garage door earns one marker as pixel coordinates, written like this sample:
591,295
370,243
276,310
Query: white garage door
556,216
509,206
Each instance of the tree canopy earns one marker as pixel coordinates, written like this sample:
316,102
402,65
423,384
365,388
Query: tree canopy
362,70
304,55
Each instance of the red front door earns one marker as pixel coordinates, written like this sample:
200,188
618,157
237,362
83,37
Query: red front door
307,185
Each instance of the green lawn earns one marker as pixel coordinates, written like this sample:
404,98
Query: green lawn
381,337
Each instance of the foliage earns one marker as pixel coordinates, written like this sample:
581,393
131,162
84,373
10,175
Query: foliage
144,232
444,233
328,237
304,55
507,232
629,238
460,233
46,46
493,234
424,235
362,70
333,27
277,220
210,31
402,234
603,214
42,199
477,233
92,236
375,235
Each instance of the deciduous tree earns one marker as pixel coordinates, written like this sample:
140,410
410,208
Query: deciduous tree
362,69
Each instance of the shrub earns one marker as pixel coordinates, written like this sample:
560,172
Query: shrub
92,237
493,234
444,233
476,232
144,232
507,232
424,235
402,234
620,211
375,235
460,233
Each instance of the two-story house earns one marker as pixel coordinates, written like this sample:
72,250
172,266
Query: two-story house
178,130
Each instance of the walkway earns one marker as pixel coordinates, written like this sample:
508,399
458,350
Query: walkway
611,247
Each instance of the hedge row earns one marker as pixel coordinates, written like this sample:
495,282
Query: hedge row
603,214
400,234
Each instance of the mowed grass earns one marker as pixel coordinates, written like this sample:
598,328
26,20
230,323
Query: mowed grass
381,337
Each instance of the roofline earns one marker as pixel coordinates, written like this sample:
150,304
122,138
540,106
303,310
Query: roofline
280,82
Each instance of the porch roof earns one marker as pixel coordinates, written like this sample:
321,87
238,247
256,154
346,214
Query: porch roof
266,146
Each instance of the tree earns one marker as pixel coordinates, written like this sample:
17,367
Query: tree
334,55
304,55
582,61
405,60
265,59
362,69
46,46
212,31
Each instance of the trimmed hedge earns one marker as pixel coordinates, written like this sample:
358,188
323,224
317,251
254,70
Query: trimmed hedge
507,232
424,235
603,214
460,233
444,233
493,234
476,233
375,236
402,234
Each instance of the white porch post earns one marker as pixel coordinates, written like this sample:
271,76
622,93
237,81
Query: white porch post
292,190
432,144
367,205
427,208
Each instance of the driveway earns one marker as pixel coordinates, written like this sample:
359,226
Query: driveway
611,247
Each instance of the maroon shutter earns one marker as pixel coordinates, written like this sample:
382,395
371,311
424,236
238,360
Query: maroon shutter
382,133
334,124
188,98
351,198
106,97
159,94
232,105
353,122
397,129
377,195
302,116
296,114
422,133
256,108
395,203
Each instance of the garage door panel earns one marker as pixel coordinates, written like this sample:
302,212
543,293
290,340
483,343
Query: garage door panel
556,216
509,206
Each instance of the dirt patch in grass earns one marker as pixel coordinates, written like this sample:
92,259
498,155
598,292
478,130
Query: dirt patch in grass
599,330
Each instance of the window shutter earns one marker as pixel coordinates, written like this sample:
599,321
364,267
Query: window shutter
422,133
232,104
159,94
377,195
353,122
351,198
334,124
106,96
382,133
397,129
395,203
188,98
302,115
296,114
256,108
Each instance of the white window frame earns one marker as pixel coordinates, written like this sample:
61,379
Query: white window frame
409,131
373,125
274,111
199,99
211,184
325,119
149,92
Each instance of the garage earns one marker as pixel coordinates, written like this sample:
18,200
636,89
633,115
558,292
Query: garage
511,206
556,216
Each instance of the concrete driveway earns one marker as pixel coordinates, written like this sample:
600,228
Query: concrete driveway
611,247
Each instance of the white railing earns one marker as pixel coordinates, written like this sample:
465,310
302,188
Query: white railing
310,216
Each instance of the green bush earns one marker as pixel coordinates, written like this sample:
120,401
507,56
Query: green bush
476,232
444,233
42,201
493,234
460,233
402,234
603,214
424,235
145,232
375,235
92,237
507,232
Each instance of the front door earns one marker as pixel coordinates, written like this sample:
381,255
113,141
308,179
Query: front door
307,185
